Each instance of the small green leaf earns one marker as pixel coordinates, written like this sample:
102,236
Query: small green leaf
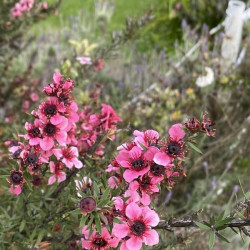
102,202
142,146
98,223
40,237
22,225
201,225
83,220
222,238
105,194
194,147
96,189
234,230
211,240
75,211
117,221
223,222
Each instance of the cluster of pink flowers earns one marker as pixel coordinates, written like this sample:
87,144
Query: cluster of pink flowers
92,124
54,133
22,6
25,6
140,167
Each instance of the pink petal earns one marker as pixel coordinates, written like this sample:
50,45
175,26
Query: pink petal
138,133
152,238
122,156
15,189
161,158
57,77
134,243
133,211
86,244
149,155
114,242
145,200
46,143
105,233
152,134
150,217
58,153
56,119
64,123
61,137
68,163
52,167
120,230
34,141
135,153
176,132
77,163
123,246
51,180
61,177
130,175
133,186
75,151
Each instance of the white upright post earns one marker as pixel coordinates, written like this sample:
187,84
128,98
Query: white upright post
233,32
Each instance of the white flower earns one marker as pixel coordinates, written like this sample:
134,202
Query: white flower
206,80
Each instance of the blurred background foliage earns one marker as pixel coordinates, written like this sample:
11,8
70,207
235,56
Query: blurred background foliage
140,43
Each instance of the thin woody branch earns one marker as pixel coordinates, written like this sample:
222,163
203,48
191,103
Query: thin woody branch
169,226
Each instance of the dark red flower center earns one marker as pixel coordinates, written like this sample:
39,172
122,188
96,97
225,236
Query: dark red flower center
50,129
174,149
35,168
138,164
88,204
31,159
64,98
157,170
50,110
36,180
16,178
66,152
34,132
145,182
99,242
138,228
16,153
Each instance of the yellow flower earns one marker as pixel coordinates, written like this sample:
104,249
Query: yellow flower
84,47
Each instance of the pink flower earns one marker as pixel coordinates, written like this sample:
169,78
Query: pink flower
114,182
33,132
84,60
136,161
56,169
147,186
108,117
98,64
138,227
69,156
34,97
25,106
51,109
16,180
51,132
174,147
146,139
45,5
99,241
207,124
